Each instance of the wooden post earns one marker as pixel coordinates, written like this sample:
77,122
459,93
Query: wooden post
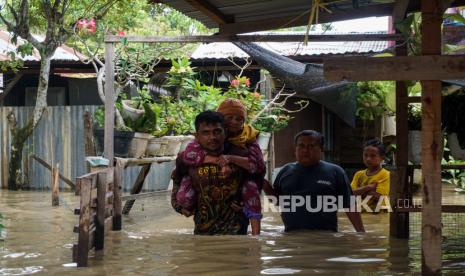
399,222
55,187
84,222
109,101
89,148
117,189
431,140
144,171
267,91
101,203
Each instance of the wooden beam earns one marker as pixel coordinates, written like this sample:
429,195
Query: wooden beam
444,208
395,68
49,167
431,138
143,195
211,11
255,38
291,21
144,171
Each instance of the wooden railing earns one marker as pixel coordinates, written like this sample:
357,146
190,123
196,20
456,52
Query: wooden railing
95,213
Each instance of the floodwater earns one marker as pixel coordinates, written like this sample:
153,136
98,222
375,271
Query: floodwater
157,241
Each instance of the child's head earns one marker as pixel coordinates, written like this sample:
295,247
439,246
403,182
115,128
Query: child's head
373,153
234,115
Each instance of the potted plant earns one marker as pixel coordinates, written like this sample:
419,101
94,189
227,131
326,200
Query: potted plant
122,136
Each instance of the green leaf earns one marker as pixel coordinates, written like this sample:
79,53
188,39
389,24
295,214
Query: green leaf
455,17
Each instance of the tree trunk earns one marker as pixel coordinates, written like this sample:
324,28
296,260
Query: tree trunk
20,135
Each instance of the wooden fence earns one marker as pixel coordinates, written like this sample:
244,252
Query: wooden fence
59,138
96,212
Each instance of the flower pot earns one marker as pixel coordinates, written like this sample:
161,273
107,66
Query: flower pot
155,147
122,139
138,145
129,111
264,143
186,140
264,140
389,125
173,144
454,146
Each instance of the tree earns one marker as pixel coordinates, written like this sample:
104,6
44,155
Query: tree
56,19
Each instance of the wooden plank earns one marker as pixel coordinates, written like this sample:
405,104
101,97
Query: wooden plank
109,101
144,171
143,195
255,38
49,167
211,11
84,223
407,100
395,68
55,187
101,204
443,167
117,202
128,162
89,148
431,139
91,237
444,208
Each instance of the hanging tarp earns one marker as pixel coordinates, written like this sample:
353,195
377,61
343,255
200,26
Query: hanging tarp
308,81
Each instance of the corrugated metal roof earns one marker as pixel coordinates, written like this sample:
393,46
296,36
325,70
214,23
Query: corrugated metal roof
63,53
244,11
222,50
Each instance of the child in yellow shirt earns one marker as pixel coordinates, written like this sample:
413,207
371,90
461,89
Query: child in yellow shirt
374,181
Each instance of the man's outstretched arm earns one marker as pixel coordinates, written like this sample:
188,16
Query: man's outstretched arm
356,221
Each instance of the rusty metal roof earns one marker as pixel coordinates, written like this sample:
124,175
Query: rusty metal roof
240,16
63,53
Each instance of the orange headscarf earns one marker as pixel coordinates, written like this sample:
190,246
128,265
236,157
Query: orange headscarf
248,134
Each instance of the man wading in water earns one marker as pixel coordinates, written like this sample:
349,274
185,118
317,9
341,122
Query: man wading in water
217,187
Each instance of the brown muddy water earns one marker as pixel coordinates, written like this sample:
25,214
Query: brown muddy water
157,241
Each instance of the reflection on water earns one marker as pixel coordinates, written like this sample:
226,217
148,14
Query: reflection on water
157,241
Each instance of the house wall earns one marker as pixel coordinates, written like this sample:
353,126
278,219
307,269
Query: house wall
83,92
309,118
76,91
59,138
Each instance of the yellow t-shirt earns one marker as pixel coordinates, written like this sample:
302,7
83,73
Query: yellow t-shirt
361,179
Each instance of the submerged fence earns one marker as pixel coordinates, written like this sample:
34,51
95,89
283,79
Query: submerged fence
59,138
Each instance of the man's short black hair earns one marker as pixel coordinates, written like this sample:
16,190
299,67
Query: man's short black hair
209,117
311,133
377,144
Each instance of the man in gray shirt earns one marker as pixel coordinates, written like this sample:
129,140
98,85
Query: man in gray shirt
315,182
